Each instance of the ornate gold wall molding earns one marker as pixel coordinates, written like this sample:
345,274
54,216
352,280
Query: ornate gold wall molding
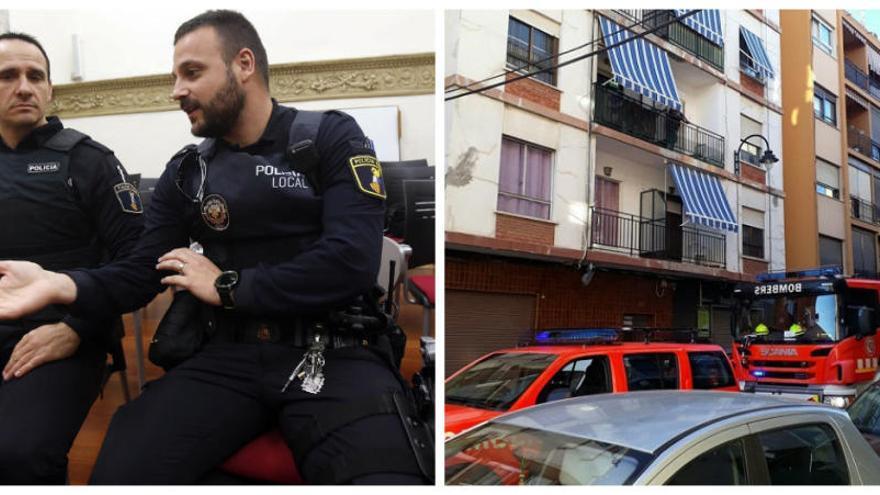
392,75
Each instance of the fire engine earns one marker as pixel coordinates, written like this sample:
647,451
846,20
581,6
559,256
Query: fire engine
809,334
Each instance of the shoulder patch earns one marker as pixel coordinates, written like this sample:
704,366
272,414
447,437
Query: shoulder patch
129,198
368,175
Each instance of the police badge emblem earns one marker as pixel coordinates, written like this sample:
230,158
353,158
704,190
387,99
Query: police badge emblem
368,175
128,197
215,212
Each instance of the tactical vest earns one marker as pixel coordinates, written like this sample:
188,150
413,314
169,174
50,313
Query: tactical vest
41,217
254,208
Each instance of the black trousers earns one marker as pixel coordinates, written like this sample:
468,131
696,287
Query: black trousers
201,412
41,413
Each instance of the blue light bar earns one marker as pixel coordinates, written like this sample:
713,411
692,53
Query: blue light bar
758,373
822,272
578,336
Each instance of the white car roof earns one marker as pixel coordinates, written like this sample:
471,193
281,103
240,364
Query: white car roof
646,420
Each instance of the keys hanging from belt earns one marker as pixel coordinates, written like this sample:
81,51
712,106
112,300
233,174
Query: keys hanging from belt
310,369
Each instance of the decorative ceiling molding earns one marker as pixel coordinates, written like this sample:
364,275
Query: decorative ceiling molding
392,75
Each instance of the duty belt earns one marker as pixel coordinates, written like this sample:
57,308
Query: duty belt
296,331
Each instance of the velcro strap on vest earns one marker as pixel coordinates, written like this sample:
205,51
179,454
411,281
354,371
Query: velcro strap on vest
65,139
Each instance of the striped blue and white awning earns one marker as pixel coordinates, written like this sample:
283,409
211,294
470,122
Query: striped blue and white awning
756,49
704,199
639,65
707,22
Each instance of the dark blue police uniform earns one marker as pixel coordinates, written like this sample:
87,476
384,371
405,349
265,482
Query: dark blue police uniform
299,253
65,202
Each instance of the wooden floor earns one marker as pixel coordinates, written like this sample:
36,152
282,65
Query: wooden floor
87,444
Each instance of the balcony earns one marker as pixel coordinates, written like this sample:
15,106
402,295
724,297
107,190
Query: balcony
678,34
874,87
855,75
865,211
637,236
859,141
646,121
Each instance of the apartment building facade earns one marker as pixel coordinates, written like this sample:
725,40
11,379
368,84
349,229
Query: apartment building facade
605,193
832,140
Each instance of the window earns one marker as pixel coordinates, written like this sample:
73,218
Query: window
747,63
827,179
637,321
751,152
723,465
822,36
830,251
651,371
753,233
804,455
524,183
860,184
580,377
710,370
864,252
824,105
865,412
531,50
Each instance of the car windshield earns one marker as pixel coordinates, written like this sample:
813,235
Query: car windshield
806,318
497,381
865,412
502,454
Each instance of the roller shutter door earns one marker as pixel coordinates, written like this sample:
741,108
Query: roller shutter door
481,322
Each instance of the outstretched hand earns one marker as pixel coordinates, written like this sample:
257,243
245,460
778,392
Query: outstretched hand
26,288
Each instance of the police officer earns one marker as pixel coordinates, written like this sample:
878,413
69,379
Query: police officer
64,203
283,249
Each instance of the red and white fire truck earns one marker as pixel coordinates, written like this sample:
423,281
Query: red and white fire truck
810,334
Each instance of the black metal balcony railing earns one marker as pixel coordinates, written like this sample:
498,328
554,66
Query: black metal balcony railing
859,141
678,34
865,211
637,236
642,119
855,75
874,88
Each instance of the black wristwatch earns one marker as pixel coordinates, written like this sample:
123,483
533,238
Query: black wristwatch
224,284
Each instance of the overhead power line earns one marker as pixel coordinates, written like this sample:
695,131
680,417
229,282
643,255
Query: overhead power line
571,61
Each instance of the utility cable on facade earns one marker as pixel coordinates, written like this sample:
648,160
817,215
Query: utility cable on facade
576,59
652,15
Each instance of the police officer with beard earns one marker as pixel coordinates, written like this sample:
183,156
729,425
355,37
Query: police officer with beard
64,203
279,256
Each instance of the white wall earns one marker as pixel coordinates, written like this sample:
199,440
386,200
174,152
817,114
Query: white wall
476,47
120,42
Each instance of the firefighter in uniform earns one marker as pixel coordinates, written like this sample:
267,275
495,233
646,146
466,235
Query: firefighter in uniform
65,203
291,232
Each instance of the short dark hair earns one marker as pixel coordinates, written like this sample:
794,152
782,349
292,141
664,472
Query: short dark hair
235,32
28,39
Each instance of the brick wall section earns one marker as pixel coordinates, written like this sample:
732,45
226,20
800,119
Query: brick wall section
511,228
563,301
751,85
534,91
752,172
754,267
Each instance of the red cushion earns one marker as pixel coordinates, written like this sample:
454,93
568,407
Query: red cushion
425,285
265,458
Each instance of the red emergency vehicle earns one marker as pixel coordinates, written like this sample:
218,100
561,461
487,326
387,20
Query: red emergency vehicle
809,334
566,363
